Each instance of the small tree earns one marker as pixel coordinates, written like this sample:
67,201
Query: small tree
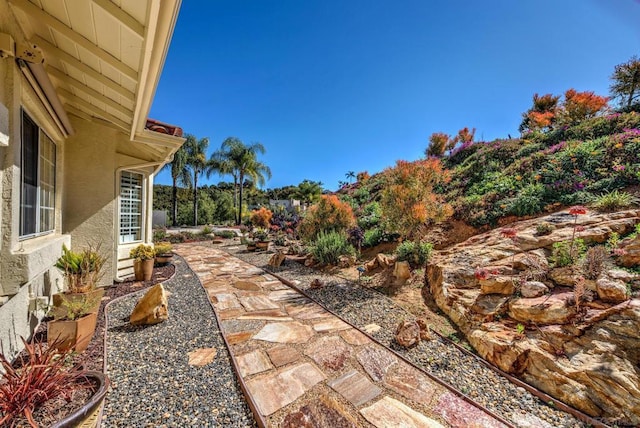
329,214
438,142
579,106
408,200
542,115
261,217
625,84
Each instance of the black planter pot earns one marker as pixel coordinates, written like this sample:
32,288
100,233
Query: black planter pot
80,416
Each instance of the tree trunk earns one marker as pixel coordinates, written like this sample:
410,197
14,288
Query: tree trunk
235,200
634,81
174,201
239,220
195,198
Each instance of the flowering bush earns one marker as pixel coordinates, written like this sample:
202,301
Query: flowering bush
261,217
329,214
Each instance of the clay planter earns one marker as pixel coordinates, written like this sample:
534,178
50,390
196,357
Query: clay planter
163,259
262,246
75,334
87,415
93,296
251,247
143,269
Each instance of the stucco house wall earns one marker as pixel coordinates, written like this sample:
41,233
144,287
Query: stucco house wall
87,173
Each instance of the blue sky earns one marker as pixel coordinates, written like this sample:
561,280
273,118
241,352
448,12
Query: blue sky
335,86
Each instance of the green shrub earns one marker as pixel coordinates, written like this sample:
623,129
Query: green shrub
615,200
226,234
370,216
159,234
373,237
562,254
328,214
206,230
329,246
416,253
544,228
528,201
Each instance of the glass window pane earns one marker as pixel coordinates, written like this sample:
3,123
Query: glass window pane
130,207
29,195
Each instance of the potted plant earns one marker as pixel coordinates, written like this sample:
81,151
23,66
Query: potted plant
82,270
251,244
163,253
41,375
73,324
261,236
143,257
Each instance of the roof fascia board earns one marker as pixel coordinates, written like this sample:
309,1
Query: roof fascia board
163,15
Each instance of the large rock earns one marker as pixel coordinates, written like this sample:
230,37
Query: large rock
152,308
533,289
401,273
611,290
631,256
277,259
589,361
408,333
498,285
552,309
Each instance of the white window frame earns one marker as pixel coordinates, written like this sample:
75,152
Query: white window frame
43,138
122,203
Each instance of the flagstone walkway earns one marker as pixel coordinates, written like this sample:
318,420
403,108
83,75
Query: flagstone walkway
303,366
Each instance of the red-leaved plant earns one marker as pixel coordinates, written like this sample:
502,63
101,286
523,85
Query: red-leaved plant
40,376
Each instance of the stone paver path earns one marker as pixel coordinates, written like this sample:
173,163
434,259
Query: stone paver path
304,366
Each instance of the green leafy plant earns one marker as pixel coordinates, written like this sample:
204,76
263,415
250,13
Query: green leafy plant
520,328
329,246
615,200
40,376
373,237
416,253
613,241
142,252
73,309
260,235
162,248
544,228
82,270
159,234
566,254
226,234
206,230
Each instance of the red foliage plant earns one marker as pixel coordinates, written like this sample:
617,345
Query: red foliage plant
261,217
579,106
408,199
362,176
577,210
40,376
509,232
329,214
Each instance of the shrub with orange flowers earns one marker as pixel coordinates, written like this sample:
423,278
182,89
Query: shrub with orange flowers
408,199
261,217
362,177
329,214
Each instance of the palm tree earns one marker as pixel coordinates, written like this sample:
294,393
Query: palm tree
350,175
241,161
197,162
180,175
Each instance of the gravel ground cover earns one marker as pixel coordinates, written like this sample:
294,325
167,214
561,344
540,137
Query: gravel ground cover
152,383
362,307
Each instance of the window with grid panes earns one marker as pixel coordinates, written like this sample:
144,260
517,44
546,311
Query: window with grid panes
130,207
38,180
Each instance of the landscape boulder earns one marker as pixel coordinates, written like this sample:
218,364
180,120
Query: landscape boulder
631,256
408,333
497,285
277,259
153,308
611,290
533,289
401,273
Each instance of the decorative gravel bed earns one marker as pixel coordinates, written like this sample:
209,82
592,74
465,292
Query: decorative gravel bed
362,306
152,382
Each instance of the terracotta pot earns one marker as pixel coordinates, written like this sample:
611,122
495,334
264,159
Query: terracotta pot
143,269
76,334
251,247
87,415
93,296
163,259
262,246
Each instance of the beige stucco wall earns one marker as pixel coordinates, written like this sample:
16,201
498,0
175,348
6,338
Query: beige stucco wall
25,265
94,160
